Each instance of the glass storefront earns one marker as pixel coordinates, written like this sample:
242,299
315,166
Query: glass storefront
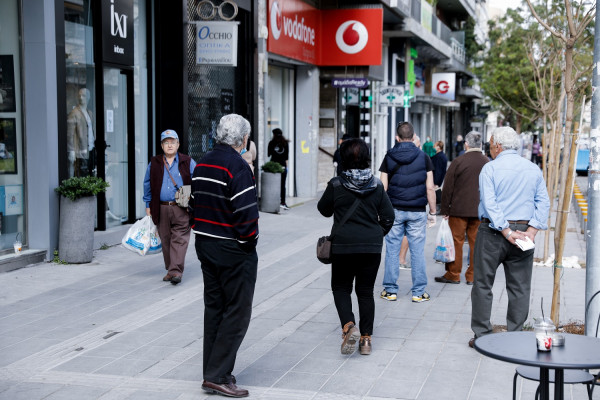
12,174
119,152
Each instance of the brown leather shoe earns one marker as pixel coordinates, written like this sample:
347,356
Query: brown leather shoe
224,389
364,346
472,343
443,279
167,278
350,335
176,279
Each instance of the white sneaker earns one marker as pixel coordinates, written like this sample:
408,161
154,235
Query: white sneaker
284,206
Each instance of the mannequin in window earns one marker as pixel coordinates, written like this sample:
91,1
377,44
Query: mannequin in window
81,138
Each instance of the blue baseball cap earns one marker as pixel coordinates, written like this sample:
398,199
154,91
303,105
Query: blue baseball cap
169,133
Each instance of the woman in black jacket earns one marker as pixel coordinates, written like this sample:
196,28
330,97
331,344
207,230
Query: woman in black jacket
278,150
356,246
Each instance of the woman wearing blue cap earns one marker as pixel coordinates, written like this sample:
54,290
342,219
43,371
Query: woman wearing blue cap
164,175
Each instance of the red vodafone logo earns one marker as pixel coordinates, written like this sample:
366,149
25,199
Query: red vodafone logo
443,87
351,37
276,20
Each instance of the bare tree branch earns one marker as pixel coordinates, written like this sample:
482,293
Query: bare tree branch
545,25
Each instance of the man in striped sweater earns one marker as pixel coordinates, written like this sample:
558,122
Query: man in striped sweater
224,212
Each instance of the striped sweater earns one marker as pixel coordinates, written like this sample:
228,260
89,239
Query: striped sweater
224,203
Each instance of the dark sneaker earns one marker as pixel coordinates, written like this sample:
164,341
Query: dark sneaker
350,335
421,298
175,280
388,296
472,343
443,279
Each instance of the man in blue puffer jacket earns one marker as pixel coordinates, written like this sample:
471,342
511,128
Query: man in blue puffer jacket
407,175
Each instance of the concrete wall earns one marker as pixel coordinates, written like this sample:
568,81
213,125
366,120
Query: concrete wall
40,115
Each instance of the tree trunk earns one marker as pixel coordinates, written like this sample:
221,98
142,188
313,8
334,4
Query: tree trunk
567,184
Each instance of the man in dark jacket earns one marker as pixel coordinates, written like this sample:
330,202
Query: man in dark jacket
460,200
407,175
164,175
225,222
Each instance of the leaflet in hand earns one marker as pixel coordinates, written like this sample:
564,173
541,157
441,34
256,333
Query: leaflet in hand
526,244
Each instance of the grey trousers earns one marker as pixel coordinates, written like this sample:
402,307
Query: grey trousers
491,250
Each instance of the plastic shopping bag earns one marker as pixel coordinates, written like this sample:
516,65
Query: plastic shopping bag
142,237
444,244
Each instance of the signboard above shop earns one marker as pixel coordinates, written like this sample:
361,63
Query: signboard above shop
391,96
443,85
117,31
325,37
216,43
349,82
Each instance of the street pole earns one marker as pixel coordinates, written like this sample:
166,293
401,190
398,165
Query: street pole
592,262
406,90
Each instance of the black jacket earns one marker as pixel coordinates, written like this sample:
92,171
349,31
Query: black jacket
363,232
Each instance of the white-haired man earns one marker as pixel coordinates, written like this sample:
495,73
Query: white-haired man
225,222
513,204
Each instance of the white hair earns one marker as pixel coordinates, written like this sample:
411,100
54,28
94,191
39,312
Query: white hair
507,138
473,140
232,129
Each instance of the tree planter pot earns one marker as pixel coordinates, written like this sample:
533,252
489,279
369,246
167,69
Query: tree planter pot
76,231
270,192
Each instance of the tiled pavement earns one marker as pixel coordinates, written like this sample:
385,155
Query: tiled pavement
113,330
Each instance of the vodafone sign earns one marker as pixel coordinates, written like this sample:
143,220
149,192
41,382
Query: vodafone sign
325,37
443,85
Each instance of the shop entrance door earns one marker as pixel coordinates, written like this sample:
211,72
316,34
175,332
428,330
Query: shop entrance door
116,164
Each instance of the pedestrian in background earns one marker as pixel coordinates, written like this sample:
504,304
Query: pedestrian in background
337,160
536,152
165,174
358,198
513,206
407,175
440,164
428,147
459,146
249,154
278,150
460,200
225,221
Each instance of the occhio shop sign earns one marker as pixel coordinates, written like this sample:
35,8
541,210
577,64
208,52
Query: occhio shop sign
325,37
216,43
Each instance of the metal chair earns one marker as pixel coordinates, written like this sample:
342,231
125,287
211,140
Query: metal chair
571,376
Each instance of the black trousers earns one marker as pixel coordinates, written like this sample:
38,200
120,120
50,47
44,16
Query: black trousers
229,271
283,178
360,268
491,250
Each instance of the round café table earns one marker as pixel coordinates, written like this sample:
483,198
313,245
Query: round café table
578,352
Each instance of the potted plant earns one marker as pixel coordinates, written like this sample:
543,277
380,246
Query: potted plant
77,216
270,187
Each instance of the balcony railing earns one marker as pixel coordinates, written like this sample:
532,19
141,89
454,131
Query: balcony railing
458,50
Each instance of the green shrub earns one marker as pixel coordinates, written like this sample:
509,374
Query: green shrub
77,187
273,167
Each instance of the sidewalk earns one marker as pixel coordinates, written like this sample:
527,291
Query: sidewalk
113,330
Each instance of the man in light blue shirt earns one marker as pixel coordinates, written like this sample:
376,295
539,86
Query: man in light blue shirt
513,206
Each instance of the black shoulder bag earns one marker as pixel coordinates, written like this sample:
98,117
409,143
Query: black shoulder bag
324,242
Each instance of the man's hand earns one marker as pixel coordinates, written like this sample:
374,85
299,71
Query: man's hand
148,213
431,219
71,156
530,233
446,217
512,236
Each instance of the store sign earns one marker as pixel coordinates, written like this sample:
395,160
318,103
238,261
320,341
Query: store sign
216,43
325,37
391,96
117,31
349,82
443,85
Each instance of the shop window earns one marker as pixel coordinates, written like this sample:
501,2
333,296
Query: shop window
12,193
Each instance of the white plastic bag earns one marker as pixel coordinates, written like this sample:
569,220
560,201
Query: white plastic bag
444,244
142,237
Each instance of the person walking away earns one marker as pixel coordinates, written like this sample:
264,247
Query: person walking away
513,205
440,164
406,173
165,174
460,200
356,247
459,146
428,147
224,206
278,150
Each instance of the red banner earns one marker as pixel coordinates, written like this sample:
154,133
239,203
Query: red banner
325,37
